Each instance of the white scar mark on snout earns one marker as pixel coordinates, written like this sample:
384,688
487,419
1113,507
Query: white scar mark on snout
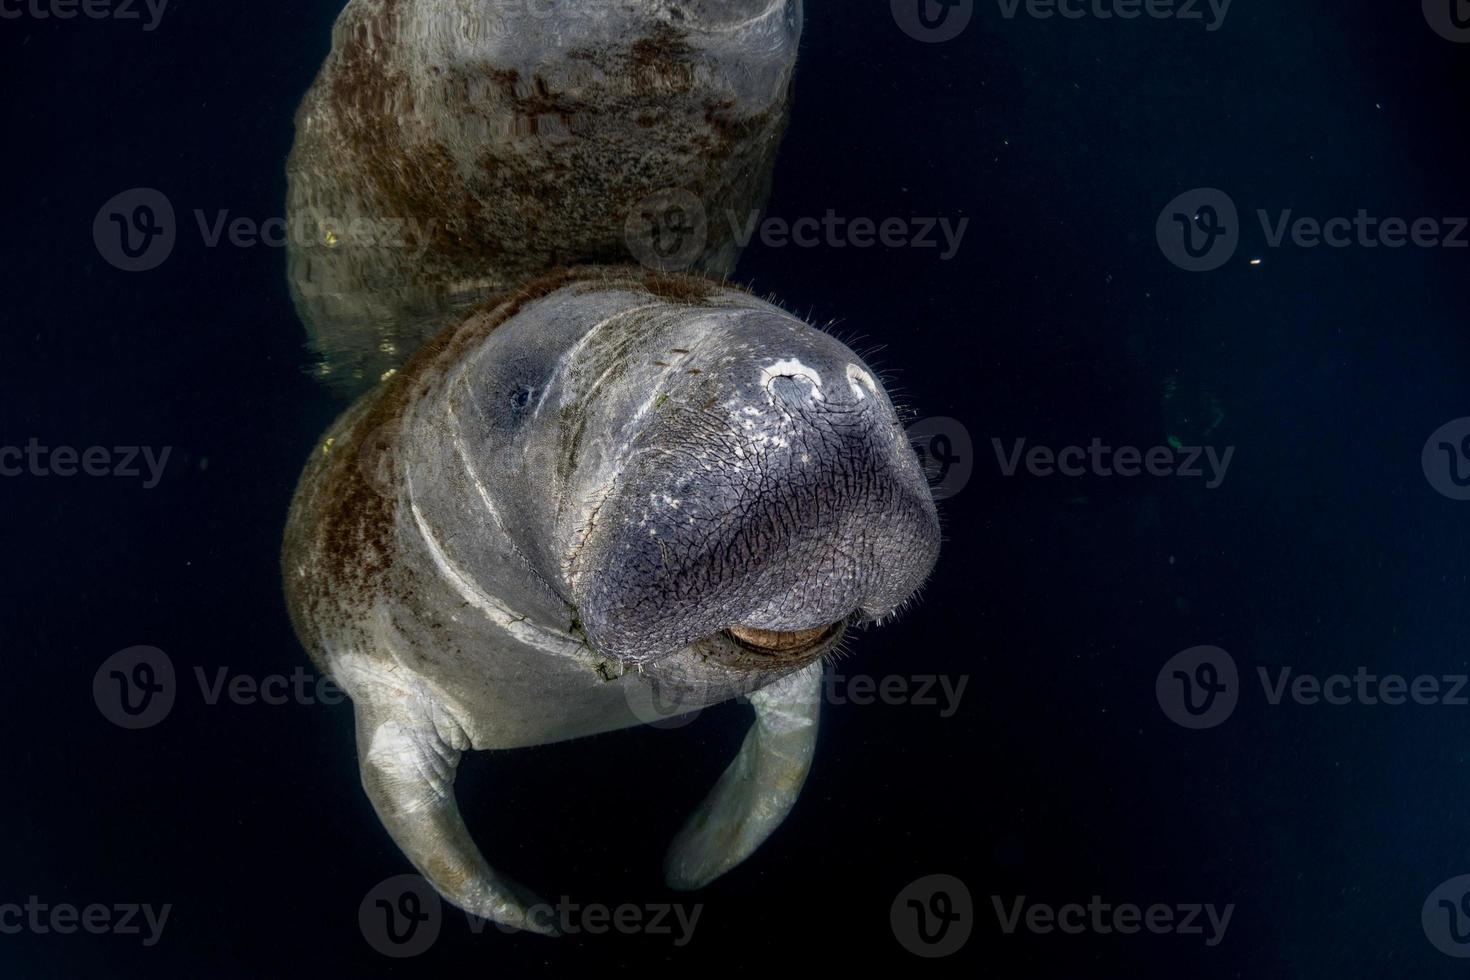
788,367
469,468
861,382
517,625
777,7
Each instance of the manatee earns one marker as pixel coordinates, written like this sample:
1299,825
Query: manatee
614,482
453,149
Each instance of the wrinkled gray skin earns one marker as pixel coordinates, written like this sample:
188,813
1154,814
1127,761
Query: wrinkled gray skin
564,503
452,149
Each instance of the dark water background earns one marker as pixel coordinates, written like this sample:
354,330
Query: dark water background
1059,320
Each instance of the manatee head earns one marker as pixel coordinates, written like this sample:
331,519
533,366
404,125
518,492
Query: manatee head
699,474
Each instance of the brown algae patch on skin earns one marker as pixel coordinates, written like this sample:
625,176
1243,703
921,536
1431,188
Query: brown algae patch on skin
661,62
482,173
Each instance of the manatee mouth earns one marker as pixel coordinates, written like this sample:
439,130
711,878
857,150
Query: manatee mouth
782,645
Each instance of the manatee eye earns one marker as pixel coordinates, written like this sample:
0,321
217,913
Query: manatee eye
519,399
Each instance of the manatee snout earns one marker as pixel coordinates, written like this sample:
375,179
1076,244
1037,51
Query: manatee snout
771,498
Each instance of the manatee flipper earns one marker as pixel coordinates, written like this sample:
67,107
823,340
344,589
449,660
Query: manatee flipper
408,756
758,789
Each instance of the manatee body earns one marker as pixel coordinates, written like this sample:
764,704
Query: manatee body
614,480
451,149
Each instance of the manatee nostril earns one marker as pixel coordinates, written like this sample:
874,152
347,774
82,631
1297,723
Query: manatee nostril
861,382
